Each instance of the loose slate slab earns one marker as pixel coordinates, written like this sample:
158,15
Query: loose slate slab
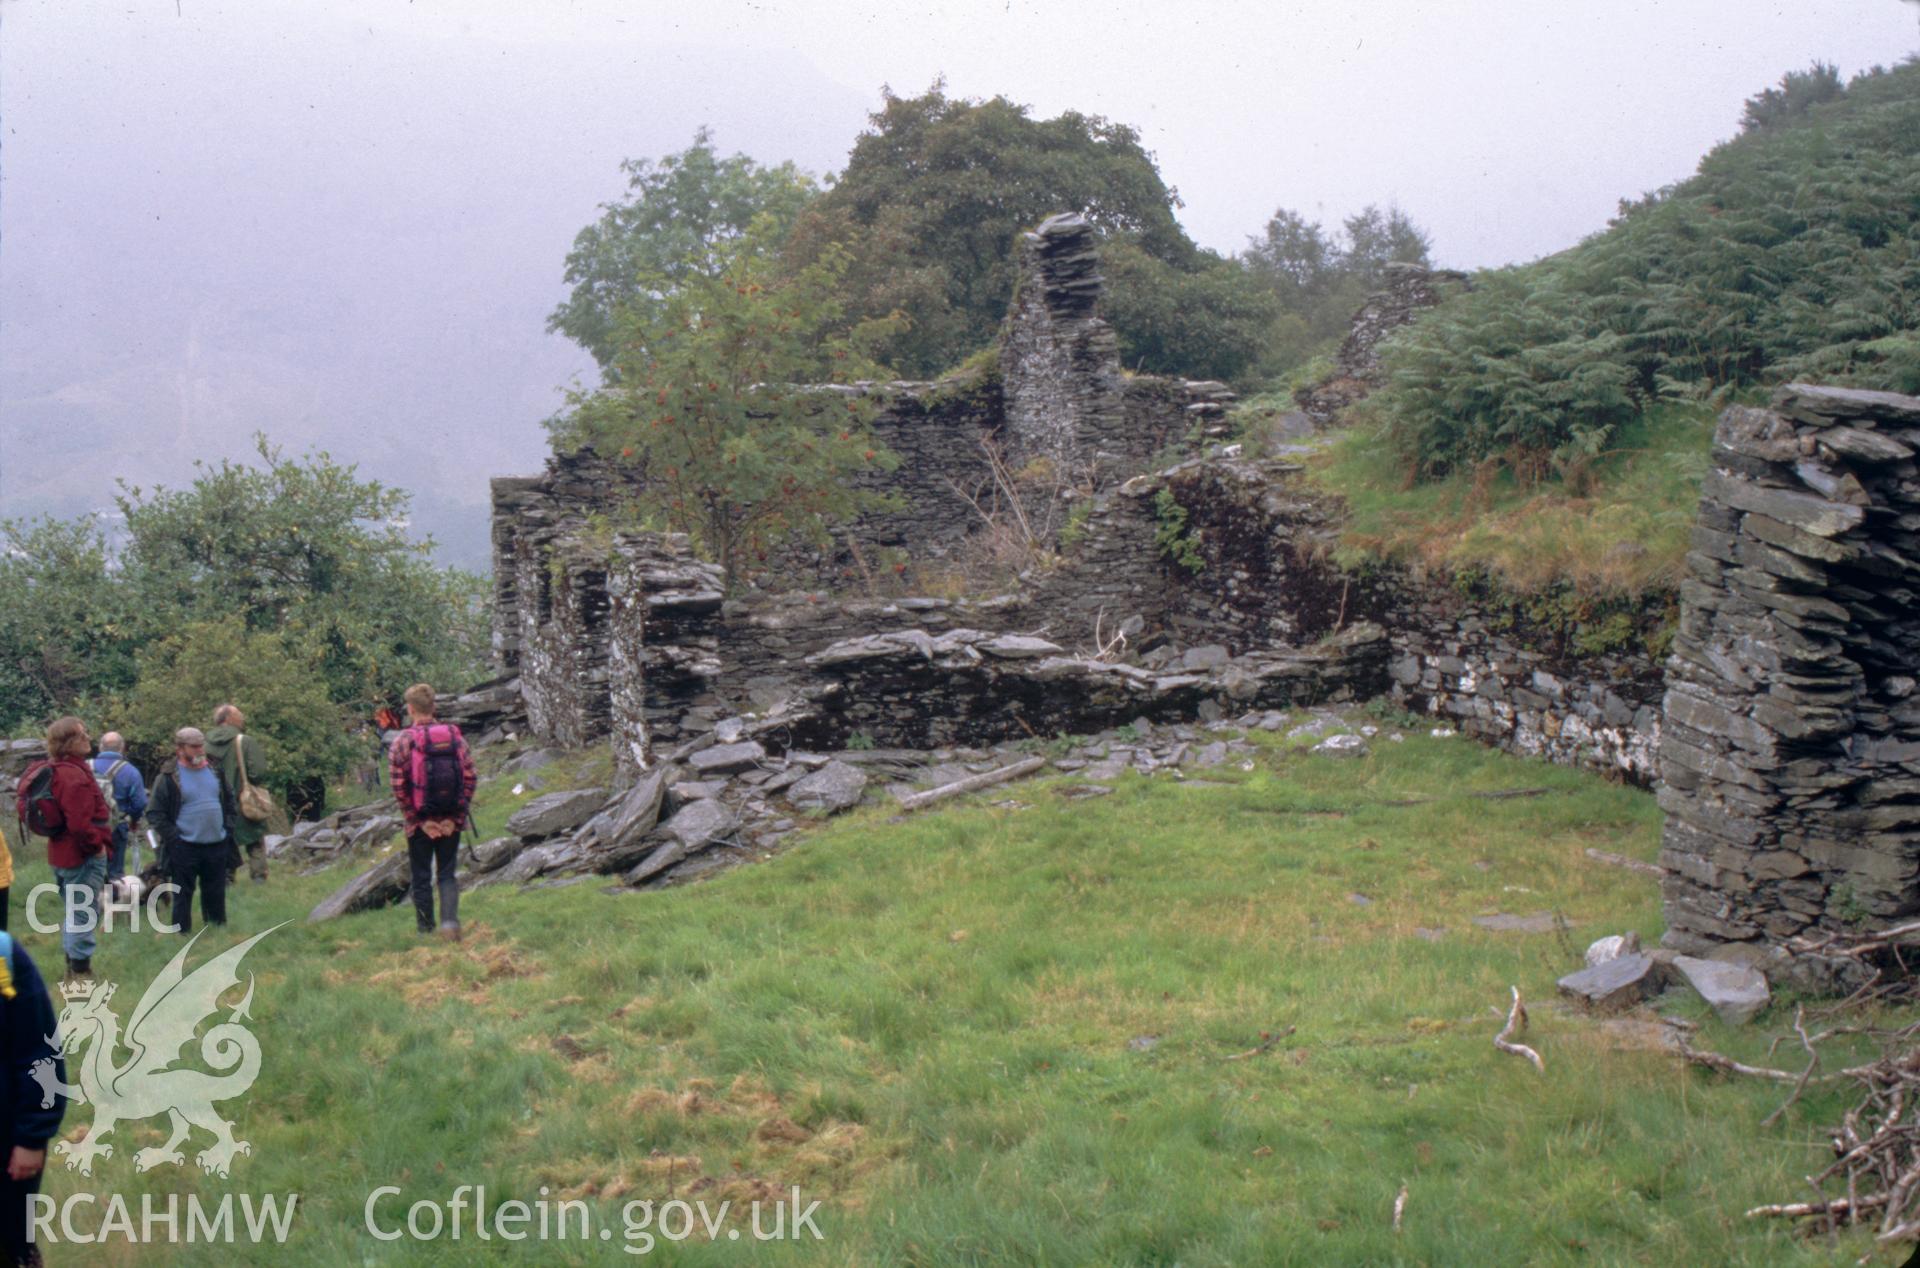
1214,754
556,812
1535,922
1212,656
700,823
531,760
1736,992
1843,402
1342,746
1020,647
380,886
833,788
1620,982
727,759
634,815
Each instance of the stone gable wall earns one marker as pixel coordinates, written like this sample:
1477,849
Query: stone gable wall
1791,749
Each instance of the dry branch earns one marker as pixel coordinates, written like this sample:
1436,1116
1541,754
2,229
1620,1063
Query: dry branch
1104,648
1266,1042
1516,1024
1839,1206
1727,1065
1399,1206
973,783
1854,946
1876,1144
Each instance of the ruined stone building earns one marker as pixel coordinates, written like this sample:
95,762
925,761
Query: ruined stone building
1183,579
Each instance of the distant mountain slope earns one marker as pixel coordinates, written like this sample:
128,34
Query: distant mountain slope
355,248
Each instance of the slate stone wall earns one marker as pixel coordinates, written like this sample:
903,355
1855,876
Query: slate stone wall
1790,751
1059,361
1356,370
1472,664
1265,543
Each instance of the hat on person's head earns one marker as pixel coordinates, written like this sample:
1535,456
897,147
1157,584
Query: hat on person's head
188,736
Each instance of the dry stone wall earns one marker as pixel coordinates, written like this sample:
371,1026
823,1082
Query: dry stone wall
1791,745
1786,727
1262,543
1060,362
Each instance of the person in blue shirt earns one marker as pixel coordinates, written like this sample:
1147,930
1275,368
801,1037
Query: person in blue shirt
125,792
193,813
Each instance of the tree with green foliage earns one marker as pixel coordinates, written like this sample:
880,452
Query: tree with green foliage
935,193
1317,278
716,396
677,209
67,630
1799,91
308,548
281,679
1214,321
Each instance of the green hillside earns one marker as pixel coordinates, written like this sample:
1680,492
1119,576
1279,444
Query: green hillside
1550,426
1793,253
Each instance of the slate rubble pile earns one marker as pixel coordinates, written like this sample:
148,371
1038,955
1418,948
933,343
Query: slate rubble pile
1790,749
313,844
739,794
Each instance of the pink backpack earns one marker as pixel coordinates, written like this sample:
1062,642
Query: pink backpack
435,782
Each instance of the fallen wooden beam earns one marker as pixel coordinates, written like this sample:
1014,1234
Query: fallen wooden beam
972,783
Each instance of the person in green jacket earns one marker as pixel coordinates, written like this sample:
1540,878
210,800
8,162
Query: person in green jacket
223,751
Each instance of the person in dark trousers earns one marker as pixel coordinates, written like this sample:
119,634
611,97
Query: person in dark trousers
433,780
26,1024
192,810
126,795
228,746
78,851
6,880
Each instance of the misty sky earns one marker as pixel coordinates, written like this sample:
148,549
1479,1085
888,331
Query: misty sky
343,221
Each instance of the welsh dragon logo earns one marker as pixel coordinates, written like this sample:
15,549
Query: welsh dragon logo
151,1080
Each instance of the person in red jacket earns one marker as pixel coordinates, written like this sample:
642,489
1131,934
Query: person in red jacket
80,849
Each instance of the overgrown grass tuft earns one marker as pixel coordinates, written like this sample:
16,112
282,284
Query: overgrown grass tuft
1617,525
1006,1033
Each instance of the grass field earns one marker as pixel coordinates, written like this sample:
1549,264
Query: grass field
1006,1034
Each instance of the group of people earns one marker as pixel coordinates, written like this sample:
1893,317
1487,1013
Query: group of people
193,807
103,806
207,827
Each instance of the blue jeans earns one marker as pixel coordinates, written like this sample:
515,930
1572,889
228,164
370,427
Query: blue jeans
88,878
117,861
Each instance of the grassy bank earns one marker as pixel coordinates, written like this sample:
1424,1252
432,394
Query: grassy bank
1619,525
1019,1033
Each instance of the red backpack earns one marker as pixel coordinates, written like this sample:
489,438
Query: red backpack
35,805
435,783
